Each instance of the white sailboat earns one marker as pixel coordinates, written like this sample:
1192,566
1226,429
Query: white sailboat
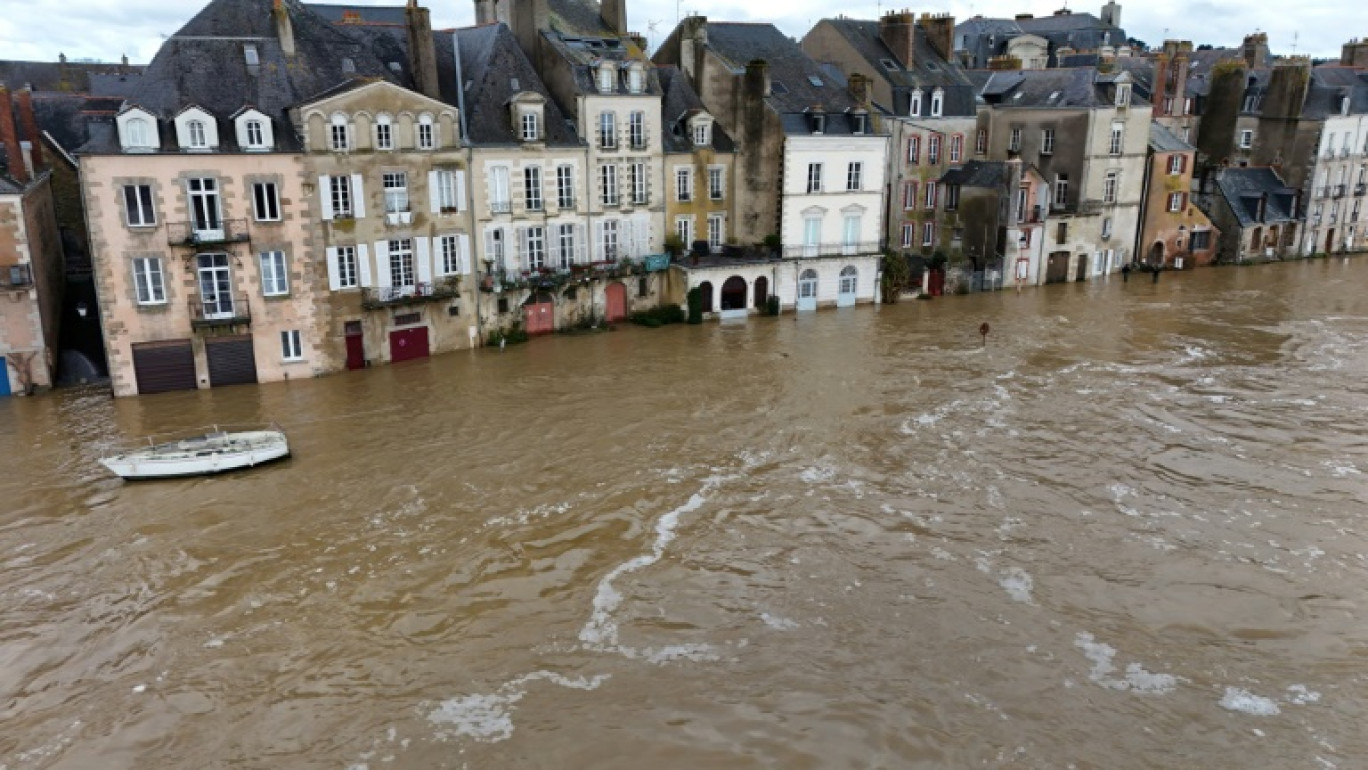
215,451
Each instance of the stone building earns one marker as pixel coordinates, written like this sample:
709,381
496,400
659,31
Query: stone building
999,206
1040,42
1174,232
1337,188
1255,211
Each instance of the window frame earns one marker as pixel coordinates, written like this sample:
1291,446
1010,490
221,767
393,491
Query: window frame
684,184
608,185
565,186
291,348
717,180
138,197
348,275
149,281
265,202
854,176
814,178
274,272
396,196
340,194
534,198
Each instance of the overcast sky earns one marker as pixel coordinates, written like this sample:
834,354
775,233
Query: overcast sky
107,29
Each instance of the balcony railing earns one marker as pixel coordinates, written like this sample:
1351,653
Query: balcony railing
1339,191
418,293
1360,189
221,311
500,207
190,234
831,249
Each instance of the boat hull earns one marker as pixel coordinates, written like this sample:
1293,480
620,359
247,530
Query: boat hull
201,456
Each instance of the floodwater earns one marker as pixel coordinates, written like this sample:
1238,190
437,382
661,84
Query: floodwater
1129,532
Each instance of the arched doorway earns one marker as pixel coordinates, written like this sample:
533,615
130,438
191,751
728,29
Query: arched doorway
807,290
539,313
845,295
734,293
614,302
761,292
1156,255
706,290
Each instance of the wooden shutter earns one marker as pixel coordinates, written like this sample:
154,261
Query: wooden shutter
423,255
460,190
325,198
382,265
334,276
363,264
358,192
434,196
463,252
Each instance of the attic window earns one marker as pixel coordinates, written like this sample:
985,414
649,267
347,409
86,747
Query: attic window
860,120
778,88
395,67
249,52
818,122
514,84
348,65
1054,95
889,65
814,80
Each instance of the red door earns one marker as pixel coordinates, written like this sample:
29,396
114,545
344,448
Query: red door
356,351
540,316
407,344
615,300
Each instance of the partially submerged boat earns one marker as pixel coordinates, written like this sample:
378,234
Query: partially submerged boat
215,451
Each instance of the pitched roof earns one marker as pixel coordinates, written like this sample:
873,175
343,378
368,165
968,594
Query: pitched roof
365,14
928,70
578,17
681,102
978,173
1079,88
69,76
797,81
1243,189
581,52
1163,140
496,69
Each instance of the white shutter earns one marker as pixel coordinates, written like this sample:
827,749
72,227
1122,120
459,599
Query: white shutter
382,265
489,245
463,249
518,263
626,237
363,264
424,257
358,196
597,251
581,244
460,191
434,202
334,279
325,198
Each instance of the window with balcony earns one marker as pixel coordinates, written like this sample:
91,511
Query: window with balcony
499,190
138,209
206,213
265,202
275,281
396,192
148,282
401,262
532,188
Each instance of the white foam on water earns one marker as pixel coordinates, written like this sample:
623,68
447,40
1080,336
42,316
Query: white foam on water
1246,702
139,688
1018,584
942,554
1136,678
1299,695
817,475
487,717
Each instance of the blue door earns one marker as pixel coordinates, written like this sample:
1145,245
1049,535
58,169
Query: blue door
4,378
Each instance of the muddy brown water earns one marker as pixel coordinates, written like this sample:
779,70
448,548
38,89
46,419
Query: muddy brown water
1128,533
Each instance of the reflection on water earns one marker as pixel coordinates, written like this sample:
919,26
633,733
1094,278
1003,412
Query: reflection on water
1127,532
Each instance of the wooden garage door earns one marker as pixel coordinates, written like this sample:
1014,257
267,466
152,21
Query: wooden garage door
232,360
162,366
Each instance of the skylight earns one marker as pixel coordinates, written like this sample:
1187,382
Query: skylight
816,81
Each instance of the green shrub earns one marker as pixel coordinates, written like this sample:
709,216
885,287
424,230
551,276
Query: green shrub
695,297
772,304
659,316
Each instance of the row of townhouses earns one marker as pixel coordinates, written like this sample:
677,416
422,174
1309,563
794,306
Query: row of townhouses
290,189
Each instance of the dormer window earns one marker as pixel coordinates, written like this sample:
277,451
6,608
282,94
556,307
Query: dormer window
249,53
253,131
135,133
339,133
528,116
196,130
605,77
1123,94
636,79
702,135
859,123
818,122
531,129
425,133
384,133
937,103
915,109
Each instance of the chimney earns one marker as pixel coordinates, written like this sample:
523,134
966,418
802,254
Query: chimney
859,89
529,18
10,138
485,12
284,29
1111,14
23,99
1354,53
940,34
757,84
614,14
422,54
1255,50
898,31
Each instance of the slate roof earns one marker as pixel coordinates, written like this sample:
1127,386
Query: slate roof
74,77
203,64
982,25
991,174
680,103
369,14
1243,187
491,61
578,17
1079,88
1163,140
929,69
1331,84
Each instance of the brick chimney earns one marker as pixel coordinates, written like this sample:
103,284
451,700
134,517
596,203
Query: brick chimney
614,14
529,18
486,12
1255,50
898,31
10,138
23,98
940,33
1354,53
422,54
284,28
859,89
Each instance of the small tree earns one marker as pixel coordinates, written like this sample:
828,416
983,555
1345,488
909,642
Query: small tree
896,277
695,299
674,244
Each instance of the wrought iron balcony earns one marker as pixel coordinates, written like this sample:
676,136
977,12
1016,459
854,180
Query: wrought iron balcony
1360,189
1339,191
190,234
222,311
831,249
423,291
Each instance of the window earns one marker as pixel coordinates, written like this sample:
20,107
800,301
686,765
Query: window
1014,144
1062,233
340,134
952,193
607,131
915,108
639,184
956,148
565,245
135,131
807,285
449,255
981,141
565,187
1168,105
499,201
610,240
255,138
716,234
426,136
444,189
908,233
702,135
290,349
1061,191
814,178
605,77
346,267
634,80
401,262
340,191
265,202
636,130
1175,202
1123,95
812,235
1175,165
530,129
850,232
930,200
683,184
928,233
274,281
608,180
1047,141
933,144
532,188
494,247
1109,187
853,180
147,279
1187,105
715,183
848,279
684,229
1023,200
1201,240
384,133
914,150
937,102
138,205
396,191
1106,228
195,128
1246,139
909,195
205,214
1117,132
